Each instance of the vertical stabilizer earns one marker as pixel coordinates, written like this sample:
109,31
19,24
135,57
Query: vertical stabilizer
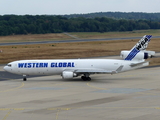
143,43
140,46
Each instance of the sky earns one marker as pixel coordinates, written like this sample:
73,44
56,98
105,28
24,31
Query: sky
63,7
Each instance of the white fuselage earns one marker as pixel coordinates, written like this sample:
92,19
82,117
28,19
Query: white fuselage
56,67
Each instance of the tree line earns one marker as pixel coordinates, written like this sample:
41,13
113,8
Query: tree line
41,24
120,15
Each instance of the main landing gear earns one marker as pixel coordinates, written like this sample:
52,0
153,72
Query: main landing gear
86,77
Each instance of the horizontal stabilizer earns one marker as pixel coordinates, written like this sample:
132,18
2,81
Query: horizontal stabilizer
152,53
139,64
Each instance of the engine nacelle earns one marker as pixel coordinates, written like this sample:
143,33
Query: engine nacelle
68,75
152,53
137,56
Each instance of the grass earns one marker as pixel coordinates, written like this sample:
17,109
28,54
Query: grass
35,37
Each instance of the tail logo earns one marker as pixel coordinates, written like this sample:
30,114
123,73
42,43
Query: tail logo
141,45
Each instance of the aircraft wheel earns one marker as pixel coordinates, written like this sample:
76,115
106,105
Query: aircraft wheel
83,78
24,79
86,78
89,79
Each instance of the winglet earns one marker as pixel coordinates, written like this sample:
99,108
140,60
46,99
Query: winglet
118,70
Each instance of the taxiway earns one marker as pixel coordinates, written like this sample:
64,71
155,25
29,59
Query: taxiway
69,41
133,95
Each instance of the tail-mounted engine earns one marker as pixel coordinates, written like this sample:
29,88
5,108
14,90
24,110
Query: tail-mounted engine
126,55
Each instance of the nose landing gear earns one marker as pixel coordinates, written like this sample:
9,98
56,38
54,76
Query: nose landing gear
24,78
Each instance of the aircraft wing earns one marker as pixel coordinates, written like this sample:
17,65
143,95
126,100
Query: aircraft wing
98,71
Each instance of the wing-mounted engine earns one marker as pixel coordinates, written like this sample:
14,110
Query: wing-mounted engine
126,55
68,75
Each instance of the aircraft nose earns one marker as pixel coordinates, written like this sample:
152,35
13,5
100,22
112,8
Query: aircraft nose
8,67
5,68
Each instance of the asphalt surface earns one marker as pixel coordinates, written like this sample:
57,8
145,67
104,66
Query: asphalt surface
7,76
67,41
133,95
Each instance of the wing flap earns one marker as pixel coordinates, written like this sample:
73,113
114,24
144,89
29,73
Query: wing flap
92,71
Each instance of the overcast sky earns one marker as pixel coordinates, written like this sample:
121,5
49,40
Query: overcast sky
61,7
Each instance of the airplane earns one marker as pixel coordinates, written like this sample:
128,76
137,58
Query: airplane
70,68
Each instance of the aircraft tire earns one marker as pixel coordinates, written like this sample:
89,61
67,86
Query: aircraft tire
83,78
24,79
86,78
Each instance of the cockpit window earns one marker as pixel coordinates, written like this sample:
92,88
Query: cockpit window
9,65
